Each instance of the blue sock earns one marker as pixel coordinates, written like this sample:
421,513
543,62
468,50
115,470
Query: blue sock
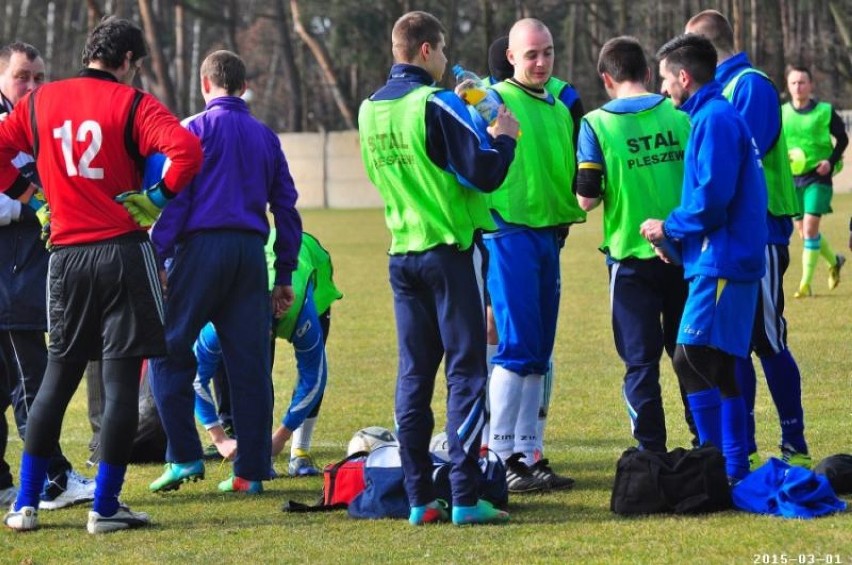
33,475
706,410
785,385
747,383
734,437
108,485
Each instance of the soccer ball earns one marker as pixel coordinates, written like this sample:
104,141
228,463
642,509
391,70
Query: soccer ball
439,446
798,160
368,439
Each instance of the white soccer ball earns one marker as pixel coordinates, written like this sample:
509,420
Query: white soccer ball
439,446
368,439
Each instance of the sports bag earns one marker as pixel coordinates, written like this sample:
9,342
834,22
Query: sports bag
838,470
384,492
681,482
342,482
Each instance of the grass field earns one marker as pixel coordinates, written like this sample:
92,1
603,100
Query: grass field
587,432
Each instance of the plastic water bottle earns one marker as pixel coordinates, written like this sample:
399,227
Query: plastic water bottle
476,93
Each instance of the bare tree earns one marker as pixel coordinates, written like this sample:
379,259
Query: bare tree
294,106
164,89
95,13
324,61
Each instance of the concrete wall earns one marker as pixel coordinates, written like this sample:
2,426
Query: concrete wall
327,169
328,172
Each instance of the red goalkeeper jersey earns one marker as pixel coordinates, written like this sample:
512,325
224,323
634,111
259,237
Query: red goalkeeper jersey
89,135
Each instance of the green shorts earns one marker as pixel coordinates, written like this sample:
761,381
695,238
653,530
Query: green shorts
815,199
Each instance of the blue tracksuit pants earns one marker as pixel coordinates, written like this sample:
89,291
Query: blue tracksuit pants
220,277
647,298
439,312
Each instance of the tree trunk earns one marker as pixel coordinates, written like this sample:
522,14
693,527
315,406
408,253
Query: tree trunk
753,48
842,24
163,83
231,26
194,64
571,41
180,61
736,16
324,61
295,109
49,38
450,25
93,9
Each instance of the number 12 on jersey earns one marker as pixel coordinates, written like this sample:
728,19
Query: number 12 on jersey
66,136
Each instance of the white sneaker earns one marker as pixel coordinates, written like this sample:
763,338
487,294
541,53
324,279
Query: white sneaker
23,520
78,489
8,495
123,519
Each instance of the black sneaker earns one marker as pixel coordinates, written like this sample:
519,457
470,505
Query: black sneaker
519,477
541,470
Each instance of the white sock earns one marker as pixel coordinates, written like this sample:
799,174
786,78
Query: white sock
490,352
302,436
505,391
526,426
544,407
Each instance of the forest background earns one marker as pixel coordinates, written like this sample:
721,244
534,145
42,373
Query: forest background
311,62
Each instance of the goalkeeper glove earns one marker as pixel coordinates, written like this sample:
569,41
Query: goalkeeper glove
37,201
43,215
145,206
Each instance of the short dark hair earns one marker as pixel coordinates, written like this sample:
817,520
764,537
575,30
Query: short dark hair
715,27
411,31
623,59
6,52
692,52
798,68
111,39
226,70
498,64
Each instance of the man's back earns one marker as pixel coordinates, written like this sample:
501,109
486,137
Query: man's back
85,151
243,169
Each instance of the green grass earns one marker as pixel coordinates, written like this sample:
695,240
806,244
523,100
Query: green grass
587,432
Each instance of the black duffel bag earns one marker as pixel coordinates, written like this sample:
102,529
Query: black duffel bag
681,481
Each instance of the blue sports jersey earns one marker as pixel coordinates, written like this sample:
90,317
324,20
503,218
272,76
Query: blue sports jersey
721,221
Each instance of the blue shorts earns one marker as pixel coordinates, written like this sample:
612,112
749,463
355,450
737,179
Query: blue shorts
720,314
524,285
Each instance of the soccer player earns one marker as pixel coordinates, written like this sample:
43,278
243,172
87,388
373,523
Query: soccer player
23,312
501,69
533,209
755,97
721,226
630,156
88,153
809,125
429,163
214,235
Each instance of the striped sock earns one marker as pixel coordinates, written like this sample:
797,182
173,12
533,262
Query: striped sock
810,257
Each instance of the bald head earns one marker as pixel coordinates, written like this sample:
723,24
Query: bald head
530,52
712,25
